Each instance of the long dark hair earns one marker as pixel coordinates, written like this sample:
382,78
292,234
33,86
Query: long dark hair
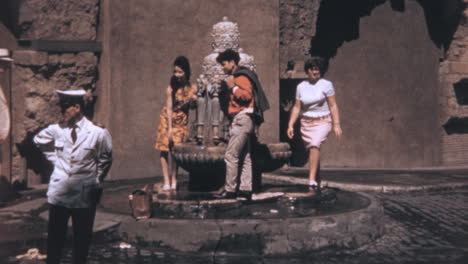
183,63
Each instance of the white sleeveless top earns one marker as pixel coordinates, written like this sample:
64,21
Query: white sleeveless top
313,97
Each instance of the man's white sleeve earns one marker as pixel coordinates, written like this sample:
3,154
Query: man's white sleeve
45,141
104,155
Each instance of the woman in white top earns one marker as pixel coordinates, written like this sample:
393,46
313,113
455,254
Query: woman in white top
316,105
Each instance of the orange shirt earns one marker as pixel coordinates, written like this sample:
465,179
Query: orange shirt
241,97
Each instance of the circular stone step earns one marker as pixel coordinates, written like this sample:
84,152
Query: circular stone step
354,220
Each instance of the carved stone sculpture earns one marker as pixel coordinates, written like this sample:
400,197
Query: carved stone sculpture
211,124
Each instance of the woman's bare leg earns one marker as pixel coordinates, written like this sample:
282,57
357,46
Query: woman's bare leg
165,167
174,175
314,158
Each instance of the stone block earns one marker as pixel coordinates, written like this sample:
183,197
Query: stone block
68,59
459,67
464,56
444,68
30,57
86,58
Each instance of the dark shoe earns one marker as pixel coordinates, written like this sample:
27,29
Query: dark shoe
244,196
225,195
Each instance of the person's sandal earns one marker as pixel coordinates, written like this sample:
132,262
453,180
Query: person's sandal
166,188
174,187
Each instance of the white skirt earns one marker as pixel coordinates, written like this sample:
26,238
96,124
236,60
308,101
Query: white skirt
314,131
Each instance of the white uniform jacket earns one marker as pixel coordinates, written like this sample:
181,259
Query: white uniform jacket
78,167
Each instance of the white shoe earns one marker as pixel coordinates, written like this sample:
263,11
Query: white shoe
166,188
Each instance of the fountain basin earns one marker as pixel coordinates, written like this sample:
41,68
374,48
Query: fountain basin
206,165
356,219
266,205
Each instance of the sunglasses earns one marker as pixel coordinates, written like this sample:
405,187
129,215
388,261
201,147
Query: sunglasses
65,105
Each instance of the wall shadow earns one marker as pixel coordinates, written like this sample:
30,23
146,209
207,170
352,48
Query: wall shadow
338,22
442,19
287,97
35,160
456,125
461,91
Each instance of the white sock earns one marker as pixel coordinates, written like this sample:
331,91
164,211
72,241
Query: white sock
313,183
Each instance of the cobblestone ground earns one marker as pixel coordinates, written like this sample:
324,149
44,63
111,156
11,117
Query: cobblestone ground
423,227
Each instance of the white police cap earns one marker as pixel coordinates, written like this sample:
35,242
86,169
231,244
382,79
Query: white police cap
72,93
5,55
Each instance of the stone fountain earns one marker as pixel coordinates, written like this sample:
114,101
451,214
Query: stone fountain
281,219
203,157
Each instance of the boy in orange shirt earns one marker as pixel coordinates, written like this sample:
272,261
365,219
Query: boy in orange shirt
246,105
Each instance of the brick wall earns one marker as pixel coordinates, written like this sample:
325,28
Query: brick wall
453,71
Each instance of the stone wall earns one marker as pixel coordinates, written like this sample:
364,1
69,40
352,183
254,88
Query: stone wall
297,27
453,74
58,19
37,74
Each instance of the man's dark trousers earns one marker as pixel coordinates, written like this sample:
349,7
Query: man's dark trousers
82,221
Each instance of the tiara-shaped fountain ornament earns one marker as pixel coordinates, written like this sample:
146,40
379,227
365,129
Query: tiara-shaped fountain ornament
225,35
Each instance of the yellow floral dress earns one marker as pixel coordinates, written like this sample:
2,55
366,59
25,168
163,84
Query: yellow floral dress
180,133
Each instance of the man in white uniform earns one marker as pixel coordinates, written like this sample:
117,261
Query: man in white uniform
81,153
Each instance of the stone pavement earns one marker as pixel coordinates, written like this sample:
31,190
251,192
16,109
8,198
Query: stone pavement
426,215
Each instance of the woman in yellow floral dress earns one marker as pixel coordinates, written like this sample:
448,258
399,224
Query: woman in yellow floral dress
173,120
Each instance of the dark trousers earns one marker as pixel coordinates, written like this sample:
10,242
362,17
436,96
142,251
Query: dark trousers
82,221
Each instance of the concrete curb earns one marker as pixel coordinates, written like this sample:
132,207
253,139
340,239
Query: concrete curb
409,169
357,187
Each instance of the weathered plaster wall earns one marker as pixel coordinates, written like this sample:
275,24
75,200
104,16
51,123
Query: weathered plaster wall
142,40
386,77
7,40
